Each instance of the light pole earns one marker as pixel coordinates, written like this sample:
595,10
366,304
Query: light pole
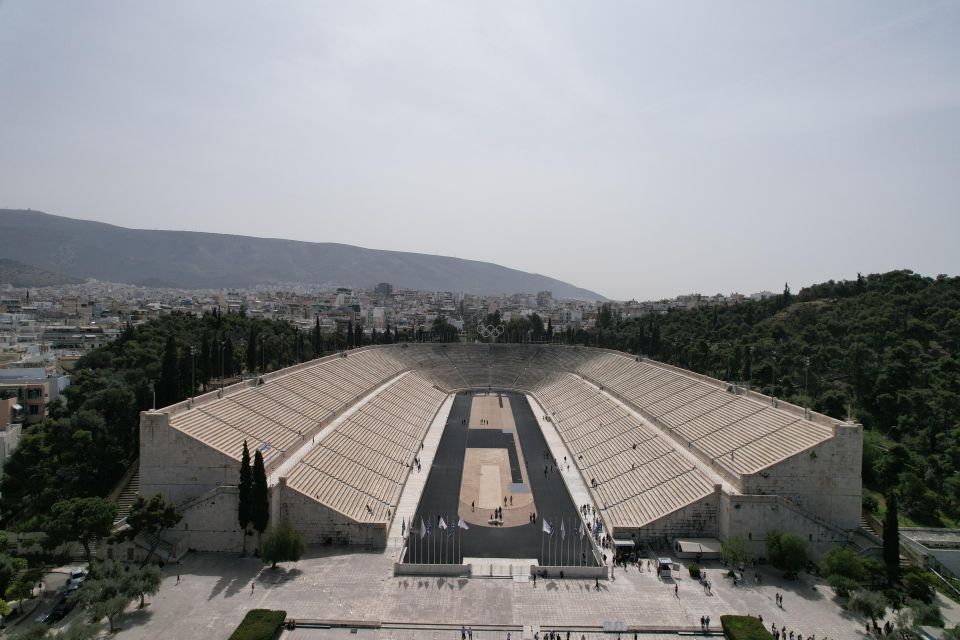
263,355
806,377
750,366
221,365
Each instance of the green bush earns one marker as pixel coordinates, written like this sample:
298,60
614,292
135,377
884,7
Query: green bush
925,613
694,570
744,628
842,585
870,503
259,624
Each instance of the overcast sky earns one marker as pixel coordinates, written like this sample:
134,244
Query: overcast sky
637,149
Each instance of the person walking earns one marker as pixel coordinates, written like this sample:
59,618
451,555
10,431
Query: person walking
676,590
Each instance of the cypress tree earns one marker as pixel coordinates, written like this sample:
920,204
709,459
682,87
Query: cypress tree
169,383
244,510
350,334
891,539
358,337
228,357
387,338
205,360
259,500
252,350
317,339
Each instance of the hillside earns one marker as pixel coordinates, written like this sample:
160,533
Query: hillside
186,259
883,349
24,275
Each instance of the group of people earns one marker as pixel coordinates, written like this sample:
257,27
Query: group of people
533,516
704,622
484,421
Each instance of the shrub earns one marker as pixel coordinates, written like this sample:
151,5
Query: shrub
744,628
694,570
925,613
259,624
843,561
786,551
870,603
870,503
842,585
918,584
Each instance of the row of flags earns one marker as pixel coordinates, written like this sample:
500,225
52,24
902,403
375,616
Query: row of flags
550,529
426,528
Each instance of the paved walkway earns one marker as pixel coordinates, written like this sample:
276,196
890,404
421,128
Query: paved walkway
416,481
215,593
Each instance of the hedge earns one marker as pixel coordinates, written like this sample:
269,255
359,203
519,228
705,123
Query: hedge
259,624
744,628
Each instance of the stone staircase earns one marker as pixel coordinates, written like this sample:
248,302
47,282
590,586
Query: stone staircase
129,487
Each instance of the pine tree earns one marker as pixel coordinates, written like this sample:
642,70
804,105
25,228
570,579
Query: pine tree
387,338
244,509
891,539
349,334
358,337
259,499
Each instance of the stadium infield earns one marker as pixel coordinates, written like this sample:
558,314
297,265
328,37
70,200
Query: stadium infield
487,462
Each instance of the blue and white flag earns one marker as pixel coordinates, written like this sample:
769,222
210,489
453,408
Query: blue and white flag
546,527
462,524
563,531
423,528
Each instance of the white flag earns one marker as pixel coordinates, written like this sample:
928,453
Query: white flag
423,528
462,524
546,527
442,524
563,531
581,532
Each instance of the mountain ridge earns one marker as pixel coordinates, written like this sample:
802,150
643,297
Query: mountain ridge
194,259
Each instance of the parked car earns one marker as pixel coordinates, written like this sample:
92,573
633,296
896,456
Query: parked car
77,577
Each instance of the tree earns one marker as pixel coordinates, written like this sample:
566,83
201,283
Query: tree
869,603
282,543
85,520
110,587
143,582
259,498
891,539
786,551
168,386
245,490
735,551
5,610
843,561
152,518
350,334
842,585
21,587
316,339
9,568
252,350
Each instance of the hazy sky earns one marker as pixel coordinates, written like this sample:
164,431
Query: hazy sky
637,149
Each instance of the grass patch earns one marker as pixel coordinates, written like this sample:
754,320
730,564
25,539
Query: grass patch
259,624
744,628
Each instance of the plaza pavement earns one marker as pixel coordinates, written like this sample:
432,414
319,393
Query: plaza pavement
341,584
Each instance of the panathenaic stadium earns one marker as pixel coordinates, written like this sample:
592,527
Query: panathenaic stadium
458,452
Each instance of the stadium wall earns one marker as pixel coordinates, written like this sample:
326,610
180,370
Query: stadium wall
824,480
177,466
320,524
696,520
751,517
